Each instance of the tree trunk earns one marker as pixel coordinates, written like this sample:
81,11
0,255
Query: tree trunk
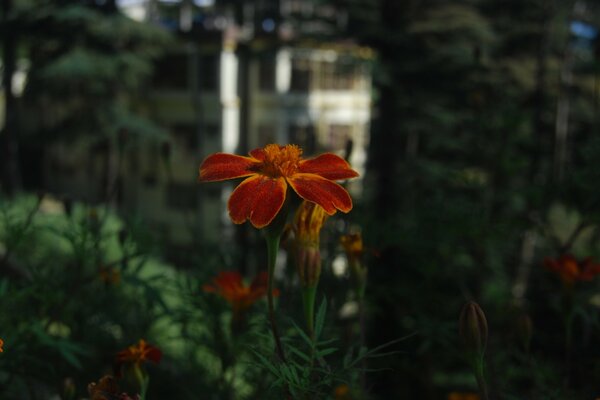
9,150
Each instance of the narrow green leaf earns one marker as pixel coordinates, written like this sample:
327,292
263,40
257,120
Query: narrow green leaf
320,319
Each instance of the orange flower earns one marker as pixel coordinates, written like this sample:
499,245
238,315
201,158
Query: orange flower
268,171
1,344
342,392
109,275
353,245
230,286
107,389
570,270
139,353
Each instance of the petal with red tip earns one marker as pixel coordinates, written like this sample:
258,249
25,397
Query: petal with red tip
328,166
153,354
259,199
324,192
259,154
222,166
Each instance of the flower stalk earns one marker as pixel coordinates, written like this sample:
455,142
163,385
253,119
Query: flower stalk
473,330
273,236
308,223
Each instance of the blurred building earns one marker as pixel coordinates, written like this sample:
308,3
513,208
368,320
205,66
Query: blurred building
243,75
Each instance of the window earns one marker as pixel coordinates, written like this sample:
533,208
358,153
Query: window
266,135
336,75
209,72
300,76
303,136
266,73
182,196
338,137
171,72
186,135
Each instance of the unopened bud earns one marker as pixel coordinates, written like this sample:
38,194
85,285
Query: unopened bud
354,249
308,223
473,328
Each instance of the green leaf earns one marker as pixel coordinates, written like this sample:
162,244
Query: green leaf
320,319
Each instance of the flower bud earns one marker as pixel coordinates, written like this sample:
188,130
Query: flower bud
473,328
308,222
354,249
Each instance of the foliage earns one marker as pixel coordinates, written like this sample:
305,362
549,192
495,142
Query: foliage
467,170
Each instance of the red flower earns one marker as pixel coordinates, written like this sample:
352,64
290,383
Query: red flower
139,353
268,172
570,270
230,286
107,389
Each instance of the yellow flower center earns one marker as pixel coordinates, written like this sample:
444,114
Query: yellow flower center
281,161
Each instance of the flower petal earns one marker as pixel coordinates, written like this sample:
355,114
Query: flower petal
222,166
153,354
328,166
259,154
259,199
324,192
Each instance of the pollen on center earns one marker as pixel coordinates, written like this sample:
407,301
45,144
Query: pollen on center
281,161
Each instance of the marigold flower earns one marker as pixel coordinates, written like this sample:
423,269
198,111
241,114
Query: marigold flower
109,275
269,171
342,392
107,389
571,270
308,222
353,245
354,249
139,353
230,286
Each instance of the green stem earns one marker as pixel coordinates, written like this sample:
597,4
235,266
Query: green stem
272,249
479,376
362,341
308,301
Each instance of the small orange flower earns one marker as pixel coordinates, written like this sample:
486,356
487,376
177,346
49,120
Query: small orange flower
570,270
342,392
1,344
230,286
269,171
463,396
109,275
107,389
139,353
353,245
354,249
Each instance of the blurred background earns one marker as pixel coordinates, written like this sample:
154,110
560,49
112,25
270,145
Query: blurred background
475,126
